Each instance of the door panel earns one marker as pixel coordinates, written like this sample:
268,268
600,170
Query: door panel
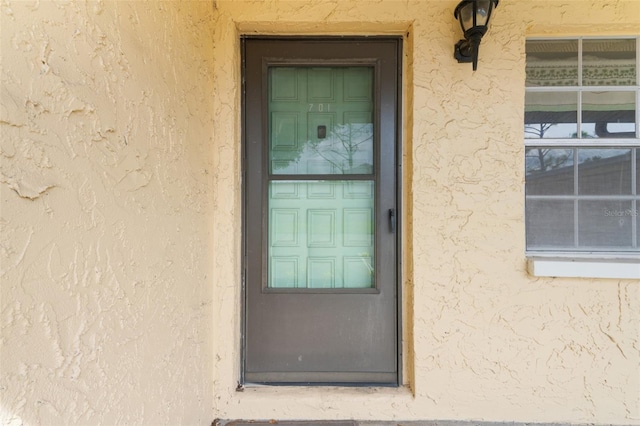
319,150
321,234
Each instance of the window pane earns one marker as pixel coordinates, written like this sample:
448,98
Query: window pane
604,171
637,150
605,224
608,115
321,234
550,224
551,115
321,120
552,63
609,62
549,171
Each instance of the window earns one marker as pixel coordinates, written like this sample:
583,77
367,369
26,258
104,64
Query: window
582,147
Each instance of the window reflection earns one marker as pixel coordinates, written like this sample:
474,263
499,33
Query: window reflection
604,171
609,62
549,171
551,115
552,63
608,114
346,149
321,120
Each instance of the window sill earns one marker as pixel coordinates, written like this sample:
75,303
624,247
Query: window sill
586,267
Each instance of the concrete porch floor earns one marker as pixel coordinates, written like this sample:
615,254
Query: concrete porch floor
220,422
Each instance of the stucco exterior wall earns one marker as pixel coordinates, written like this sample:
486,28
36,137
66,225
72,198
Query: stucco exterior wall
107,164
121,221
483,339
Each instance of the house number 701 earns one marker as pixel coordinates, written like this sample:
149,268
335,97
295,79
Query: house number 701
319,107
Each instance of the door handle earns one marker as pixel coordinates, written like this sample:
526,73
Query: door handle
392,220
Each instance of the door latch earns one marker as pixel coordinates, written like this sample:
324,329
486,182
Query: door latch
392,220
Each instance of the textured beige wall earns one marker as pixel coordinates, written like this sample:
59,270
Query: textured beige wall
120,244
107,165
483,340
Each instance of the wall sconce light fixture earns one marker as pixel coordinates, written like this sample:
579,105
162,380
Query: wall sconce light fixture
474,16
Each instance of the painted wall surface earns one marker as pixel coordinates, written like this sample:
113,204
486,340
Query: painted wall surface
121,221
107,164
483,339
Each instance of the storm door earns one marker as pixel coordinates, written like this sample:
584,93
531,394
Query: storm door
320,209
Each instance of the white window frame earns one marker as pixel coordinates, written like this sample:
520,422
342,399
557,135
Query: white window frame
578,264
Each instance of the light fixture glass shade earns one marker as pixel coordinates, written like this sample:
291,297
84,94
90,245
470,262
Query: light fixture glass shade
466,16
474,15
483,12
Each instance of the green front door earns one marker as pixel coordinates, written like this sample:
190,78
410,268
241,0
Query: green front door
320,128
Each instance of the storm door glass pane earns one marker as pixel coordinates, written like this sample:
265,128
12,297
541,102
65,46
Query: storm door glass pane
321,234
321,230
321,120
